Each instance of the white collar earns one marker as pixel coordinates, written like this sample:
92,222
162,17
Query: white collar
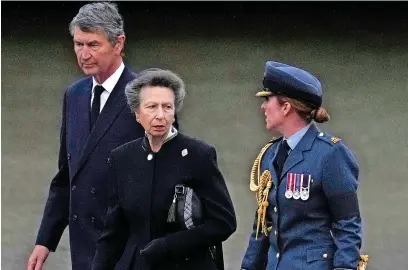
111,82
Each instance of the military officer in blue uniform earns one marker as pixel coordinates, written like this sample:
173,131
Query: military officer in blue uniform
305,183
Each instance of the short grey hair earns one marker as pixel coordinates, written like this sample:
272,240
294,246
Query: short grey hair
155,77
102,16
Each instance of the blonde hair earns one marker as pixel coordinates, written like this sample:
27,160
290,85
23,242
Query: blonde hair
306,111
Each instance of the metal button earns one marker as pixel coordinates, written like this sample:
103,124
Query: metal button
74,217
149,157
73,188
93,219
108,160
321,134
325,255
93,190
275,209
69,156
275,232
277,255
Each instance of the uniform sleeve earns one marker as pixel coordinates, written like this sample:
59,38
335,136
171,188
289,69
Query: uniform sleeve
340,182
56,211
256,255
111,243
220,220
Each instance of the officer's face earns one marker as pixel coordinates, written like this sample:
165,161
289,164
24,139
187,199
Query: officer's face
274,113
156,111
96,55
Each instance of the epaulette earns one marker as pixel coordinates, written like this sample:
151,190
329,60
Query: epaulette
328,138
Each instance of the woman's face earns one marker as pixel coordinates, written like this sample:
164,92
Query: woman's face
156,111
274,113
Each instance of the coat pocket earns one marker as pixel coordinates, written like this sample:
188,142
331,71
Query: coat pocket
324,253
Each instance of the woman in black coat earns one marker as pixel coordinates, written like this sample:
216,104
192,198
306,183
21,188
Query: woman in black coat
144,173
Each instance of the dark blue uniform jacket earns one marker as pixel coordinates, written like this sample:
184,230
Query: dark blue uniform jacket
323,232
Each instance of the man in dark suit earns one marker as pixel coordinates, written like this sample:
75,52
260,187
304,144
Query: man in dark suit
95,120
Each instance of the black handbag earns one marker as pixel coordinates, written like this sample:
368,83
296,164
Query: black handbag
186,210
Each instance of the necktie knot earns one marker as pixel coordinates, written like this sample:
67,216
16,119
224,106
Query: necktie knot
285,146
98,90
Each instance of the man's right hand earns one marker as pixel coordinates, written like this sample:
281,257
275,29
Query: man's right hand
37,258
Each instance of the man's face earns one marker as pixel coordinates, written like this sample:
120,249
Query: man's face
95,54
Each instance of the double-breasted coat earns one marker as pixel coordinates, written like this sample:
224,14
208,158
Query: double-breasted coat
322,232
142,189
78,192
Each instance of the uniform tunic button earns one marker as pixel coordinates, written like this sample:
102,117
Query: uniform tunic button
275,209
277,255
108,160
93,219
73,188
149,157
93,190
325,255
74,217
69,156
276,232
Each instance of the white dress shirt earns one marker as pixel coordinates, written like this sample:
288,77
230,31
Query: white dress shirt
109,84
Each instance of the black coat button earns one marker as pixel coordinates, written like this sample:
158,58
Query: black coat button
73,188
74,217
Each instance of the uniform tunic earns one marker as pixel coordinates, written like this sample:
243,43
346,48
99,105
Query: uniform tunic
323,232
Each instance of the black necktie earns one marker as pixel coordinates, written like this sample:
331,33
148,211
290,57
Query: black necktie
281,158
96,104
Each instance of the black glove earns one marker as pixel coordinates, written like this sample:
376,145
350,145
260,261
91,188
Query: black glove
154,249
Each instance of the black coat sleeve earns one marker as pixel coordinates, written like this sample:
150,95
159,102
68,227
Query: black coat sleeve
220,219
56,212
111,243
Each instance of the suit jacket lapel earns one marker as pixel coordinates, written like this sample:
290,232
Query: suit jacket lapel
114,105
80,114
304,144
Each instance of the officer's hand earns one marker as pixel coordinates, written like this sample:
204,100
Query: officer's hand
154,249
37,258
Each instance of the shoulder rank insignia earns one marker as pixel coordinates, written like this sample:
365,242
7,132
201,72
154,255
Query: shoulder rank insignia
335,139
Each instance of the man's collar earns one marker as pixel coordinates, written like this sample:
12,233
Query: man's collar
111,82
